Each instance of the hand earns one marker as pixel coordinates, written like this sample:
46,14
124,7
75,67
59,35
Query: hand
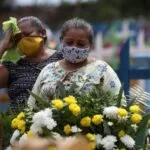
7,41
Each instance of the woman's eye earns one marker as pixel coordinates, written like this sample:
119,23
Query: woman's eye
69,43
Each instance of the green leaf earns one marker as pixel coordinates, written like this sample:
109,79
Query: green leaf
60,91
43,104
107,130
120,96
141,133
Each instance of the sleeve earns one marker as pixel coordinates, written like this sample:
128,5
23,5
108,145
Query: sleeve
112,83
36,89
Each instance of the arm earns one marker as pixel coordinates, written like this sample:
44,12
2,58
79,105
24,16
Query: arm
112,83
3,84
36,90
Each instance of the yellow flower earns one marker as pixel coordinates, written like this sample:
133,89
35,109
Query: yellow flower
121,133
70,100
122,112
136,118
67,129
14,123
21,125
97,119
51,148
85,122
30,134
57,103
134,109
123,149
23,129
75,109
90,136
92,145
21,115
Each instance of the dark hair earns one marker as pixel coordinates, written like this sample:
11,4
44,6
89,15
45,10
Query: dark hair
79,24
34,22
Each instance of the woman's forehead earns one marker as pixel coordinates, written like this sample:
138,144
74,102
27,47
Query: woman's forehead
77,32
26,27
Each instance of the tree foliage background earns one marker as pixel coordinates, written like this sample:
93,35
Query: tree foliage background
92,11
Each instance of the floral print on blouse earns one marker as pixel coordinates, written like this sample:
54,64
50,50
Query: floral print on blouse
96,73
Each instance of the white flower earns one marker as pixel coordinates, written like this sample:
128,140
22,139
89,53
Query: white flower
98,140
14,137
75,129
42,119
110,112
110,123
134,126
108,142
23,138
128,141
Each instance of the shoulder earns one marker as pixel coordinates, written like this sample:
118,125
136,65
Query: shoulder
49,67
55,55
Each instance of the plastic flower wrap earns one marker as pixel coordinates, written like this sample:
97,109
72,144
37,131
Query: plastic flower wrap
105,126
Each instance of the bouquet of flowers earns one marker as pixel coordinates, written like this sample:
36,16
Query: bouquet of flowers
92,115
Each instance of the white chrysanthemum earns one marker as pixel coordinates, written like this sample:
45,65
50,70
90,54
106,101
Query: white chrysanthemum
108,142
23,138
75,129
135,127
14,137
98,140
128,141
110,112
110,123
42,119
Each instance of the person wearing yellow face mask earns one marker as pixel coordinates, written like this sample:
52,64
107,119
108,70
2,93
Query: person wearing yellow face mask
18,78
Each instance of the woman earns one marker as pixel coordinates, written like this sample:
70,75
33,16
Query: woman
76,67
20,77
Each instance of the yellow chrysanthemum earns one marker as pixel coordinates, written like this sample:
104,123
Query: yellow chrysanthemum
75,109
121,133
51,148
23,129
21,124
85,122
136,118
97,119
21,115
123,149
134,109
57,103
92,145
70,100
90,136
67,129
30,134
122,112
14,123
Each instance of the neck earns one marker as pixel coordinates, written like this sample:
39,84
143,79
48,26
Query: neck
41,55
73,66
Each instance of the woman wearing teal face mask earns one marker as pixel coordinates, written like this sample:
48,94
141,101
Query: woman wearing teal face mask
17,79
76,67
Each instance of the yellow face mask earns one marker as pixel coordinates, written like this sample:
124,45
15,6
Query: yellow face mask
30,45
